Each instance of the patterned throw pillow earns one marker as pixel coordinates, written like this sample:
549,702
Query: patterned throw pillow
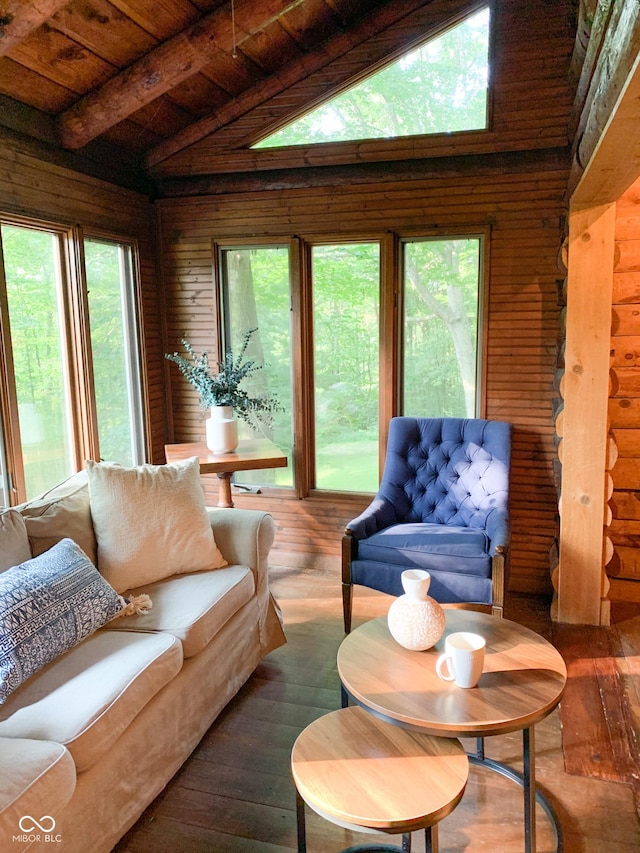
47,605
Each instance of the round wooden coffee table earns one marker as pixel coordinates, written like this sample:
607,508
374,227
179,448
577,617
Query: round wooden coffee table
368,776
522,682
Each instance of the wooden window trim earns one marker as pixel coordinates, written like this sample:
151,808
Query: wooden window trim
77,347
391,288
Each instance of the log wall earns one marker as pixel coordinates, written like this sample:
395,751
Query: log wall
30,186
624,402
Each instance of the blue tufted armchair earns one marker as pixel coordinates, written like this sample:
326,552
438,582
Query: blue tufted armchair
442,506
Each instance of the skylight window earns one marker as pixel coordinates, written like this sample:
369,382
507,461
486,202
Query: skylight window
441,87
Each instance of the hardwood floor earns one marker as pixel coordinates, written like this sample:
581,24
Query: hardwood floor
235,795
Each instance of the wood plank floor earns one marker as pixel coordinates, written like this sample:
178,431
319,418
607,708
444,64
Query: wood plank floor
235,795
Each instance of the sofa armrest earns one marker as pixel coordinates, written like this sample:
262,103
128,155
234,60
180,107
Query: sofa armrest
245,537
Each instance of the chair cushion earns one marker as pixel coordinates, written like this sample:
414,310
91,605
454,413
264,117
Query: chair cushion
89,696
446,587
39,780
193,607
434,547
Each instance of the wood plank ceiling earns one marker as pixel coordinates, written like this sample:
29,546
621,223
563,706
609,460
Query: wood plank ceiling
141,80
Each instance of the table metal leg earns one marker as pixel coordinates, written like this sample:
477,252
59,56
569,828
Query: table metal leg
300,822
529,786
431,839
527,781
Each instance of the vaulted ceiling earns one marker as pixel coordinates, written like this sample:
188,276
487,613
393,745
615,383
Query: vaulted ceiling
140,81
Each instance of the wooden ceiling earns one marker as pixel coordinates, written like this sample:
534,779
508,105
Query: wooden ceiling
142,80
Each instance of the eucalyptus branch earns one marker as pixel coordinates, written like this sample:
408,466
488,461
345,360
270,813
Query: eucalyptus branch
223,388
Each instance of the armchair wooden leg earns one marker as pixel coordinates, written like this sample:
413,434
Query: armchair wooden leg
349,546
347,597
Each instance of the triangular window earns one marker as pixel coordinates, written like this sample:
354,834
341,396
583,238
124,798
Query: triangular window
440,87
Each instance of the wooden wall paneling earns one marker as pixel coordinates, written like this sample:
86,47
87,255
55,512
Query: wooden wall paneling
32,187
581,578
523,211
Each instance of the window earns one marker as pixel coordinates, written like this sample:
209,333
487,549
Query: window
60,405
346,331
369,328
256,295
37,308
441,285
114,347
440,87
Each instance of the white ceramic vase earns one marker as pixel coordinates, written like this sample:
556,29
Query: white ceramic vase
222,430
416,620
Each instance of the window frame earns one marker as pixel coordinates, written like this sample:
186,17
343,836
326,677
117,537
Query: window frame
390,334
415,235
406,47
291,244
132,310
77,355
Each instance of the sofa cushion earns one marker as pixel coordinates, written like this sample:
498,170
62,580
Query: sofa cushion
150,522
193,607
14,542
87,698
47,605
62,512
40,781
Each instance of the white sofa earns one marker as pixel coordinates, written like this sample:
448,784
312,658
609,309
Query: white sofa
90,740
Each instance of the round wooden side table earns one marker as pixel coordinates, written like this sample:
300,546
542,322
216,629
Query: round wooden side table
366,775
521,684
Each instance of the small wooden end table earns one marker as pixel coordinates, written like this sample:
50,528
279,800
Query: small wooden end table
249,455
522,682
367,776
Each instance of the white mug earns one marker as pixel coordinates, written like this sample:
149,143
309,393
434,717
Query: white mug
463,657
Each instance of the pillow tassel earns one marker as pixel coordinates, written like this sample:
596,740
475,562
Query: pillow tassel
136,604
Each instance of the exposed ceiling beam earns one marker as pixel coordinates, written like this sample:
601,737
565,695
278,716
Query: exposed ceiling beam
164,67
615,163
375,22
19,18
448,167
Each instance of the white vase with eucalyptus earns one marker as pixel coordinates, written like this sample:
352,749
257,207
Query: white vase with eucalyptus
222,394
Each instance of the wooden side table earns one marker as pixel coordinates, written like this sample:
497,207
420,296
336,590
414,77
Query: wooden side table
249,455
366,775
522,682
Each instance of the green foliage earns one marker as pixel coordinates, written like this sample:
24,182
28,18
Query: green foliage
441,87
440,327
223,388
109,346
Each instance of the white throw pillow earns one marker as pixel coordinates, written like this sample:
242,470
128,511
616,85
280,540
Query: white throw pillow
150,522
